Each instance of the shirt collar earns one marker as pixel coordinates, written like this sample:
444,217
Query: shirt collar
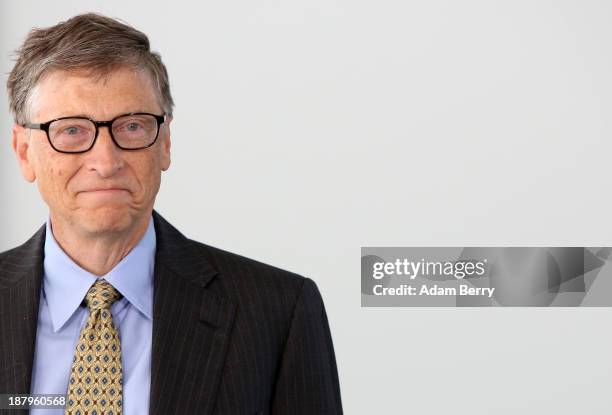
66,283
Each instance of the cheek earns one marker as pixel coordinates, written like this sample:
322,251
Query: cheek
148,174
153,177
53,174
56,171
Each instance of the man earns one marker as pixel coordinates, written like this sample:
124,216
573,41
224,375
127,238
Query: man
107,303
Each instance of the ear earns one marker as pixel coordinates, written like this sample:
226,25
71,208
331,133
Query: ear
165,145
21,146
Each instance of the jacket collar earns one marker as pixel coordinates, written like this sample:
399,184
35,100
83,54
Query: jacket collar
181,255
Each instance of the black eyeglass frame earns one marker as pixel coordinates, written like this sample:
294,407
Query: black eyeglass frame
45,127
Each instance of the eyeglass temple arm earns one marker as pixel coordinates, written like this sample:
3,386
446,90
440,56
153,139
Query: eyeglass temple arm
35,126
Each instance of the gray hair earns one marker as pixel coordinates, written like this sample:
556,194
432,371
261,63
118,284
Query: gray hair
90,42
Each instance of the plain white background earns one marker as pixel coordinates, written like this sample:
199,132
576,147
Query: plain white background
307,129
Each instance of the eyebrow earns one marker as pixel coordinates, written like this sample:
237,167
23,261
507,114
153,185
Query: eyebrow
82,115
76,115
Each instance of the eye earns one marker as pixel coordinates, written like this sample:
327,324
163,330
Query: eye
133,126
72,130
129,126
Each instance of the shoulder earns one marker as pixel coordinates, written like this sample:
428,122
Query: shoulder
246,281
23,258
252,281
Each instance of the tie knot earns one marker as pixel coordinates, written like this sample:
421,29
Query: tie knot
101,295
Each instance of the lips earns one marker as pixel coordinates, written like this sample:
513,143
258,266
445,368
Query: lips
104,189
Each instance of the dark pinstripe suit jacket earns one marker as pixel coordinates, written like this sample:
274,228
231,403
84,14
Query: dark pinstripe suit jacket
230,335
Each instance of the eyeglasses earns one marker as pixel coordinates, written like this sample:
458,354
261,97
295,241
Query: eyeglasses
133,131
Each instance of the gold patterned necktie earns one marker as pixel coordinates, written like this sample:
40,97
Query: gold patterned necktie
96,378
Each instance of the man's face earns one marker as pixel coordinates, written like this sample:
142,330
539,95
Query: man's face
106,189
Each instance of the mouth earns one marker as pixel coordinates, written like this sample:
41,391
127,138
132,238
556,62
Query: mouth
105,190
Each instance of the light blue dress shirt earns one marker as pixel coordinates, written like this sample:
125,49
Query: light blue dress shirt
61,318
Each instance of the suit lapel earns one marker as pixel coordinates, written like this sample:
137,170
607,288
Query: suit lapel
192,321
20,280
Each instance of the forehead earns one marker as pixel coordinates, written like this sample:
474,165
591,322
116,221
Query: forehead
99,96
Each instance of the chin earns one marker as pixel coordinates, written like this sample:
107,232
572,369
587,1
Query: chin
106,219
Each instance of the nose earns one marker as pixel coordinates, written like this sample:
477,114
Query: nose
105,157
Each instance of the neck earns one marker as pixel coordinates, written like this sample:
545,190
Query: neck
98,253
